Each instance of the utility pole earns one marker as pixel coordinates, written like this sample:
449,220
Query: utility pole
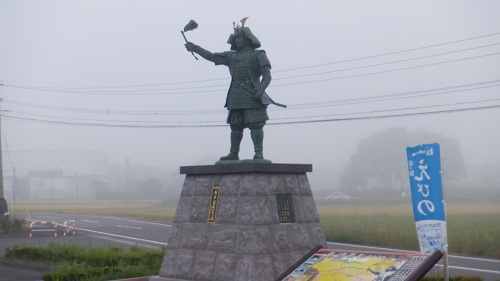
3,203
127,163
13,191
52,187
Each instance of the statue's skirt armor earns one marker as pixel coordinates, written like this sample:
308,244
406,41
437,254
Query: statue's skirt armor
244,117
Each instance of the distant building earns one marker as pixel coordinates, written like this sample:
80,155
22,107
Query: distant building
55,174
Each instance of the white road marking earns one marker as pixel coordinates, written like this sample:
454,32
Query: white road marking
131,243
49,217
470,269
145,222
90,221
477,259
125,237
128,226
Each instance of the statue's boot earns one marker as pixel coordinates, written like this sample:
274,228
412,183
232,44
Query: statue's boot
258,139
236,137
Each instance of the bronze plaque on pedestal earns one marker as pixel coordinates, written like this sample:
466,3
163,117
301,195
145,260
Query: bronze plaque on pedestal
286,210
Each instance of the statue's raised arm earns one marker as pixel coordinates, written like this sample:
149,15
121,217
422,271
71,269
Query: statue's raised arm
191,47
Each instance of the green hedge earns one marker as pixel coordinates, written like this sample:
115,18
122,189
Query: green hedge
78,263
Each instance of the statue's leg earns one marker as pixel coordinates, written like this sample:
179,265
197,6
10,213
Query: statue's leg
236,137
257,133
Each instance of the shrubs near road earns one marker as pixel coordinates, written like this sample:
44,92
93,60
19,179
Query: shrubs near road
73,262
11,226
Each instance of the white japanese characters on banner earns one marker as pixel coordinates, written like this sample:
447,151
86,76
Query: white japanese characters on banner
424,166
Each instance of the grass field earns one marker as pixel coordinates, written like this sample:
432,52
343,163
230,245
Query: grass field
148,210
473,229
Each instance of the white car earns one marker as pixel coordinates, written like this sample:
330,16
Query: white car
338,195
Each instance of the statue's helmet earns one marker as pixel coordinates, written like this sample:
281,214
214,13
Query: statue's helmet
243,31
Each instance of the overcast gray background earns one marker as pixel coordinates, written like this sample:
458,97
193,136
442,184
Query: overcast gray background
122,63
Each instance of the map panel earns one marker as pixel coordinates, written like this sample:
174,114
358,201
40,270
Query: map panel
338,265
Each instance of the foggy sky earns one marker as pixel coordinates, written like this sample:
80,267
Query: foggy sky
123,63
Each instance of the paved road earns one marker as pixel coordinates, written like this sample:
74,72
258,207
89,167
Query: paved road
19,273
151,234
128,231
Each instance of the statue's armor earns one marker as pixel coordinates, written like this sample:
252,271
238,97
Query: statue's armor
241,94
245,68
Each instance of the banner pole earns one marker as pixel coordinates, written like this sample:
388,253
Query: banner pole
446,273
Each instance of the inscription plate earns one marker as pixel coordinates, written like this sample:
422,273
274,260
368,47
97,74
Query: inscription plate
286,210
212,211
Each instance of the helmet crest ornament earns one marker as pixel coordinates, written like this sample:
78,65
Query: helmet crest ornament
243,31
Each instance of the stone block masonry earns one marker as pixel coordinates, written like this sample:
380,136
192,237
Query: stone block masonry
246,239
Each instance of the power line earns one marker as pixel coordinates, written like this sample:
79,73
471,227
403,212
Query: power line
119,121
112,112
55,89
390,110
273,85
389,97
388,116
386,63
287,118
31,120
381,72
402,95
391,53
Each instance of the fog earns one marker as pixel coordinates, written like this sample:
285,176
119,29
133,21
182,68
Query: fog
114,77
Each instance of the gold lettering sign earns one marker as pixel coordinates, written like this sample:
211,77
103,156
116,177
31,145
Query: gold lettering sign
212,211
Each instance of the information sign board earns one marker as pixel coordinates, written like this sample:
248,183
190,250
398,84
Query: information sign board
331,264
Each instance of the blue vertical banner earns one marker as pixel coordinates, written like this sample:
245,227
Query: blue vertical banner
424,166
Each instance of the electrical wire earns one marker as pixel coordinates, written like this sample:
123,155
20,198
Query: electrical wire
389,110
110,91
387,97
271,123
275,119
31,120
112,120
284,70
391,53
181,91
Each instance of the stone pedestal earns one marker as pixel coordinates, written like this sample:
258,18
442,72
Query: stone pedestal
241,222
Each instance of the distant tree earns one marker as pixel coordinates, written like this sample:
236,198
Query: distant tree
380,159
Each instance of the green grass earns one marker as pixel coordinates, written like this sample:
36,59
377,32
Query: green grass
75,262
473,229
148,210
